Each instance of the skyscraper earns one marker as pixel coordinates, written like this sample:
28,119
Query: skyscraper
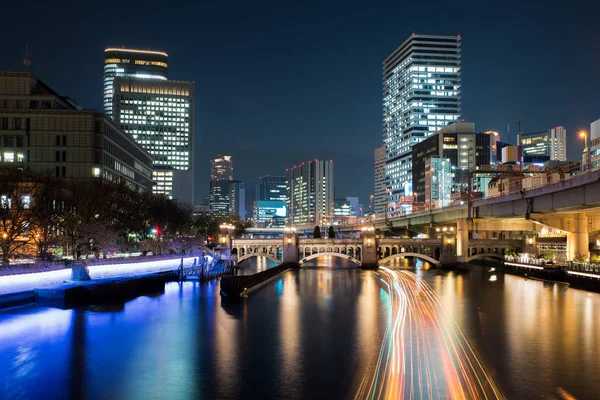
144,64
421,94
558,144
221,168
159,115
310,192
272,188
379,195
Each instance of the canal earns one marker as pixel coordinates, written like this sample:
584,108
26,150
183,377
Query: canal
329,331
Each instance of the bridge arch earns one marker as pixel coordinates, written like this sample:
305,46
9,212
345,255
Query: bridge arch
495,256
339,255
423,257
250,255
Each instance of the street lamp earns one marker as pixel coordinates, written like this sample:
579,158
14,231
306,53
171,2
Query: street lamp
583,135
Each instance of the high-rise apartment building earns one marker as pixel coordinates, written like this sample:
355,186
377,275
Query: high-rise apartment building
310,191
551,143
379,195
272,188
130,63
221,168
44,132
421,94
159,115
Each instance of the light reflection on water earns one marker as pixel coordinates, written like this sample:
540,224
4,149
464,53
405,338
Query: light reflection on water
314,333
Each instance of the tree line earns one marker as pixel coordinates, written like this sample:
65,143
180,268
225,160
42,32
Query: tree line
91,215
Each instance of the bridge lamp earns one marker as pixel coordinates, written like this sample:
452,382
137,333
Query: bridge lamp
444,229
437,229
451,229
289,241
530,240
449,241
369,242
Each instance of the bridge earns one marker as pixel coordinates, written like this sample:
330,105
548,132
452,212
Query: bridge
368,250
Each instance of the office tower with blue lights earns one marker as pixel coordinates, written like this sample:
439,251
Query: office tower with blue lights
421,94
159,115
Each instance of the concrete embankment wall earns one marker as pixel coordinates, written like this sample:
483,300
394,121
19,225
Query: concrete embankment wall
236,286
20,289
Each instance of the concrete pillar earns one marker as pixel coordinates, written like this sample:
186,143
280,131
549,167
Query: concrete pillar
529,244
448,257
578,241
369,248
462,240
290,247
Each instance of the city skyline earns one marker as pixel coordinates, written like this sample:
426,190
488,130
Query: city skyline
508,76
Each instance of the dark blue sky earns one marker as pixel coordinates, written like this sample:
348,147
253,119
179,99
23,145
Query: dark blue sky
278,83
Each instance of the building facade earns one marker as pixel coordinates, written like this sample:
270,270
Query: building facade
551,143
221,168
464,149
272,188
379,193
219,199
44,132
159,115
242,197
130,63
341,208
310,189
421,94
595,144
438,182
270,213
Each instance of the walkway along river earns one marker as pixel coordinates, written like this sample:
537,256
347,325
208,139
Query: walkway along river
317,333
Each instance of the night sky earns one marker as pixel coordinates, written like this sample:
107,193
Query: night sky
280,83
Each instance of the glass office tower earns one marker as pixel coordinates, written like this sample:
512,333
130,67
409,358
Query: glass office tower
421,94
143,64
158,114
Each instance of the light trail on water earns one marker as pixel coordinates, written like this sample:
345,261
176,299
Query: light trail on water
423,354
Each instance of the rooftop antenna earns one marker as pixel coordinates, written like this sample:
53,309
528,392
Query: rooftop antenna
27,60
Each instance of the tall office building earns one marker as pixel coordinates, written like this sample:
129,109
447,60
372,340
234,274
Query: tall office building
159,115
221,168
595,144
551,143
130,63
272,188
44,132
438,182
379,195
310,192
242,196
558,144
421,94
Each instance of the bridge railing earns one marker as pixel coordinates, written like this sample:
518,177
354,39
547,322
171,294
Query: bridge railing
590,268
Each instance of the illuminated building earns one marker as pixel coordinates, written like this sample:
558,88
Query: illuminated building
159,115
551,143
269,213
595,145
143,64
438,182
221,168
272,188
461,146
421,94
379,194
242,196
341,208
310,192
44,132
219,198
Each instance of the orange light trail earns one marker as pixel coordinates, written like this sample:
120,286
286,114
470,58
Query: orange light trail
423,353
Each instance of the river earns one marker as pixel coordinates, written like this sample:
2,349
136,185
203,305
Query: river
329,331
